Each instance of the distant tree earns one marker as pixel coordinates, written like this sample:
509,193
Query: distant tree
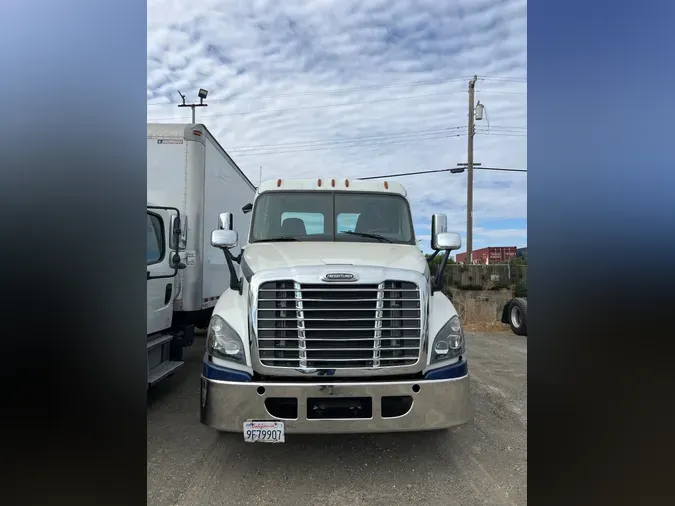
436,262
518,260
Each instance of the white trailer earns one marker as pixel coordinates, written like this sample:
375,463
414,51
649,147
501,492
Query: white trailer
190,174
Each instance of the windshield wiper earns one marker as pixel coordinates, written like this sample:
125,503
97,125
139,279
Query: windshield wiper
365,234
281,238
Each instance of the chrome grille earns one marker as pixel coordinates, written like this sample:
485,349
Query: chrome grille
337,326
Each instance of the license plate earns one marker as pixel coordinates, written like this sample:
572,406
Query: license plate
264,432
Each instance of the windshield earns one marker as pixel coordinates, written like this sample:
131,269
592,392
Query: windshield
332,216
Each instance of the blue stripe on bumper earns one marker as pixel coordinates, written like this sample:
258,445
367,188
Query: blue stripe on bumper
220,373
456,370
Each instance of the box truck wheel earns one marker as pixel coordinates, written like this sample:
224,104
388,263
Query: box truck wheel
518,316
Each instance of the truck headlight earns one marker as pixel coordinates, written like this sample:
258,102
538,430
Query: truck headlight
449,342
222,341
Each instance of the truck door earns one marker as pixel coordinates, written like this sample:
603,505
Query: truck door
160,291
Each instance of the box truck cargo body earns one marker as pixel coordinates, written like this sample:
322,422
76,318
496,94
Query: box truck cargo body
188,168
190,174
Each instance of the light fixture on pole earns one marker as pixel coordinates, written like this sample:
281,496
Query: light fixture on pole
202,96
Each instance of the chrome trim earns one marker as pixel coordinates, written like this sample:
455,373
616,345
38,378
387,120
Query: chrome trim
368,275
340,277
438,404
302,355
377,340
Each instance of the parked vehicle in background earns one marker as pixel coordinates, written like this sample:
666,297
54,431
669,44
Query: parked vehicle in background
514,314
190,177
490,255
336,325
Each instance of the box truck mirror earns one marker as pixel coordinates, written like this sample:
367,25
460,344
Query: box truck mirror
174,242
176,262
225,221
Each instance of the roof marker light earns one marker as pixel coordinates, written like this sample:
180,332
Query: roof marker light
332,183
347,183
278,183
319,183
386,185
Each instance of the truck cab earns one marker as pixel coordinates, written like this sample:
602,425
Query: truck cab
163,235
336,324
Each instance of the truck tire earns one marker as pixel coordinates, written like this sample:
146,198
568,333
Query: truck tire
518,316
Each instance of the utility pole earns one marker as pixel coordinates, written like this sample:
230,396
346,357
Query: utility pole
202,96
469,182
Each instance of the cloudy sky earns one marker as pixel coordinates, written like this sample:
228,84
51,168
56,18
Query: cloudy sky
352,88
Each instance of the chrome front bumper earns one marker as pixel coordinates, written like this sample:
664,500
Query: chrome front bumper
437,404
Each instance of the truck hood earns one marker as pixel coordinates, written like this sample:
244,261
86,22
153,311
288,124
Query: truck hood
276,255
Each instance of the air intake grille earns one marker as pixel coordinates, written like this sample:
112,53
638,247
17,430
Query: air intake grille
337,326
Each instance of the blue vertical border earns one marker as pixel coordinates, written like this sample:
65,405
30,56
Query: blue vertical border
601,216
72,194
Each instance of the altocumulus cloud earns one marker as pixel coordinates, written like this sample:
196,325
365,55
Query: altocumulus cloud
350,88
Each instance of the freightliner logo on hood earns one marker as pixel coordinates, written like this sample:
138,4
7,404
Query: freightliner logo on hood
340,276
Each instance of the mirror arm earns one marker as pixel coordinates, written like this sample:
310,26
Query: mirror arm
235,283
432,256
438,278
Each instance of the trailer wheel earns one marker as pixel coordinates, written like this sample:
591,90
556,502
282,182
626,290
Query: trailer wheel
518,316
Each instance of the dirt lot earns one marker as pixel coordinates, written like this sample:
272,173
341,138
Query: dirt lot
483,462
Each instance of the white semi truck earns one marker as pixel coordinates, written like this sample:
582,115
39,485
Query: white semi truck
190,179
335,325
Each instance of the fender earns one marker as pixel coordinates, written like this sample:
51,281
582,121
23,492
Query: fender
440,311
233,308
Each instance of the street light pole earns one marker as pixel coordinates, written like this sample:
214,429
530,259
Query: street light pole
469,181
202,96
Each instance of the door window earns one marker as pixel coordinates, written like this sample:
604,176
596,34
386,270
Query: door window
155,239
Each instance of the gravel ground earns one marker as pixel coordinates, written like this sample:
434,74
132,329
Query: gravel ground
482,462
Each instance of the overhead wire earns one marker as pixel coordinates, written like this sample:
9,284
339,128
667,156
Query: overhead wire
361,88
399,174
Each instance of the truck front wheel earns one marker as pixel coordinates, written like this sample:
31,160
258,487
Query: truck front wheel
518,316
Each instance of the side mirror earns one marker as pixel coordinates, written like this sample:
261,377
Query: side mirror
247,208
224,239
439,225
225,221
441,239
178,238
448,241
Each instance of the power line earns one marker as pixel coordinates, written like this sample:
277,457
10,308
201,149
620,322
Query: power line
239,113
344,139
323,148
489,92
497,78
439,170
355,143
359,88
341,90
497,129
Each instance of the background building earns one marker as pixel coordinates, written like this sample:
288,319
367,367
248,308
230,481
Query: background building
490,255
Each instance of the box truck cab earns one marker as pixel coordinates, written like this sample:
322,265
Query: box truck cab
164,236
335,325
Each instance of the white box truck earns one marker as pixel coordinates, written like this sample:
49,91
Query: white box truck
336,324
190,180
